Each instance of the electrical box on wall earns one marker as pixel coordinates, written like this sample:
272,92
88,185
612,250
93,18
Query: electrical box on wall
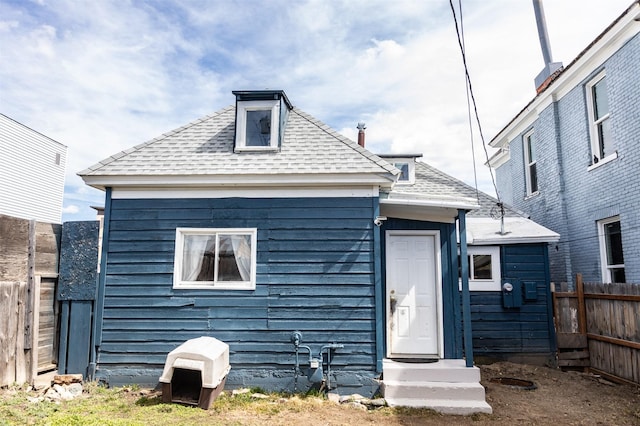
530,290
511,293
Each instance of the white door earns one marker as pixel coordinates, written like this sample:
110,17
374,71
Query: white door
413,294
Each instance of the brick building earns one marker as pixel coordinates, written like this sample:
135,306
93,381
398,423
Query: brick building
571,158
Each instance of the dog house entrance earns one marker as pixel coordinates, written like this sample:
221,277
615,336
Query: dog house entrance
186,386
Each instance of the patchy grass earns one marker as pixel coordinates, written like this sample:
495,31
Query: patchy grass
561,398
131,407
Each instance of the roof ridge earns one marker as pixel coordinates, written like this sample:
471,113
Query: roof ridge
163,136
347,142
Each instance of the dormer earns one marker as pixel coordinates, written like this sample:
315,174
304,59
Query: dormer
261,116
406,164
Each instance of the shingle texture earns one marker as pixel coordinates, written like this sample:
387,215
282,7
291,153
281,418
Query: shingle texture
205,147
435,183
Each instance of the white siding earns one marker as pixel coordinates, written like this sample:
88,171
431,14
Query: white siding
31,183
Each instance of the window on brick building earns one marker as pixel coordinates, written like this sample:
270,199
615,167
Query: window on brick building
611,256
602,144
530,163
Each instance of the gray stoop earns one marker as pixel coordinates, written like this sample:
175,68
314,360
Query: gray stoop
446,386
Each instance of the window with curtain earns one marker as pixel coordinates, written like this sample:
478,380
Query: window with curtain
217,258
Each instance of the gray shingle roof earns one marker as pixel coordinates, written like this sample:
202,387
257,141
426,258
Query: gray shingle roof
434,183
205,147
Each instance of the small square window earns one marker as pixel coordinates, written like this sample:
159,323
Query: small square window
215,258
407,167
484,268
257,125
404,171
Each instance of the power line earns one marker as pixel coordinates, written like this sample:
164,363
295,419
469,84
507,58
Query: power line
473,98
473,149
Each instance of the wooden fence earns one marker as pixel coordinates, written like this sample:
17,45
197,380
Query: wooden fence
598,328
29,253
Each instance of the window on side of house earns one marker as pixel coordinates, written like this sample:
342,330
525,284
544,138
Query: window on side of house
530,163
602,144
484,268
611,256
215,258
257,125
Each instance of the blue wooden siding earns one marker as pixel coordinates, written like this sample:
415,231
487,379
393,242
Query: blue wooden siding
528,330
450,295
315,274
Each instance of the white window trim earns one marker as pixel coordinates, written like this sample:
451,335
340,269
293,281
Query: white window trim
593,123
526,140
604,266
495,283
224,285
411,170
241,124
603,161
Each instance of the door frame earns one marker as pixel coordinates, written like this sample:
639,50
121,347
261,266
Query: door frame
438,282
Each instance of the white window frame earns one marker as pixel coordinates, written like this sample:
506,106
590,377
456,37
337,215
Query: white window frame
604,264
594,123
411,162
178,283
495,283
241,124
527,140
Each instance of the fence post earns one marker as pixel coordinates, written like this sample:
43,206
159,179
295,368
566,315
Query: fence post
582,314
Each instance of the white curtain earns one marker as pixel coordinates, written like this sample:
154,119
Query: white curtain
242,253
194,248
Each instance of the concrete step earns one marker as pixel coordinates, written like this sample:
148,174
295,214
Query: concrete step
444,406
394,390
445,370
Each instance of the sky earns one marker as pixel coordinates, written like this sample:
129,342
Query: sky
101,76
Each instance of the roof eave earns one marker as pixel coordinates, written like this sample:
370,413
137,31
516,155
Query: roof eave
606,43
101,182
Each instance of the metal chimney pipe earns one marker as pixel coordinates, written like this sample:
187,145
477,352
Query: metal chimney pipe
361,128
543,79
542,31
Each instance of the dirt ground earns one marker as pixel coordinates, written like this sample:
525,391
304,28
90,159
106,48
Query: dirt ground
560,398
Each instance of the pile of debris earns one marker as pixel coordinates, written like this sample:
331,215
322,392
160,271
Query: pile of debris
63,388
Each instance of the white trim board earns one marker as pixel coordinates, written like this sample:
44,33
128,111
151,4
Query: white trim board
132,193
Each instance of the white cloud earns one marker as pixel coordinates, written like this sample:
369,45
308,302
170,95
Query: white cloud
103,76
70,209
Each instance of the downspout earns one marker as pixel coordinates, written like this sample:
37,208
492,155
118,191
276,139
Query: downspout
96,335
466,297
561,183
380,326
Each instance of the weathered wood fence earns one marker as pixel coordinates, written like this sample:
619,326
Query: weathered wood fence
598,328
29,253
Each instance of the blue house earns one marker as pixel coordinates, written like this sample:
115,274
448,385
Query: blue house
505,250
264,228
571,158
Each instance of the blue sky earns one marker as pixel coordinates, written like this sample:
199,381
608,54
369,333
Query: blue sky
103,75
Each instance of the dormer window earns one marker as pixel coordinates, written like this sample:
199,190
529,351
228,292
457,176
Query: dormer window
404,172
407,166
260,120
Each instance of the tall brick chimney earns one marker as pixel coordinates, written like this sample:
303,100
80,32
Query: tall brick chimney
361,128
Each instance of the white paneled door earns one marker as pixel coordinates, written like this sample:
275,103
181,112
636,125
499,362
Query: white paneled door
413,294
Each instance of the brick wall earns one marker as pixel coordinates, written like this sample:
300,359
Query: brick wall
572,198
